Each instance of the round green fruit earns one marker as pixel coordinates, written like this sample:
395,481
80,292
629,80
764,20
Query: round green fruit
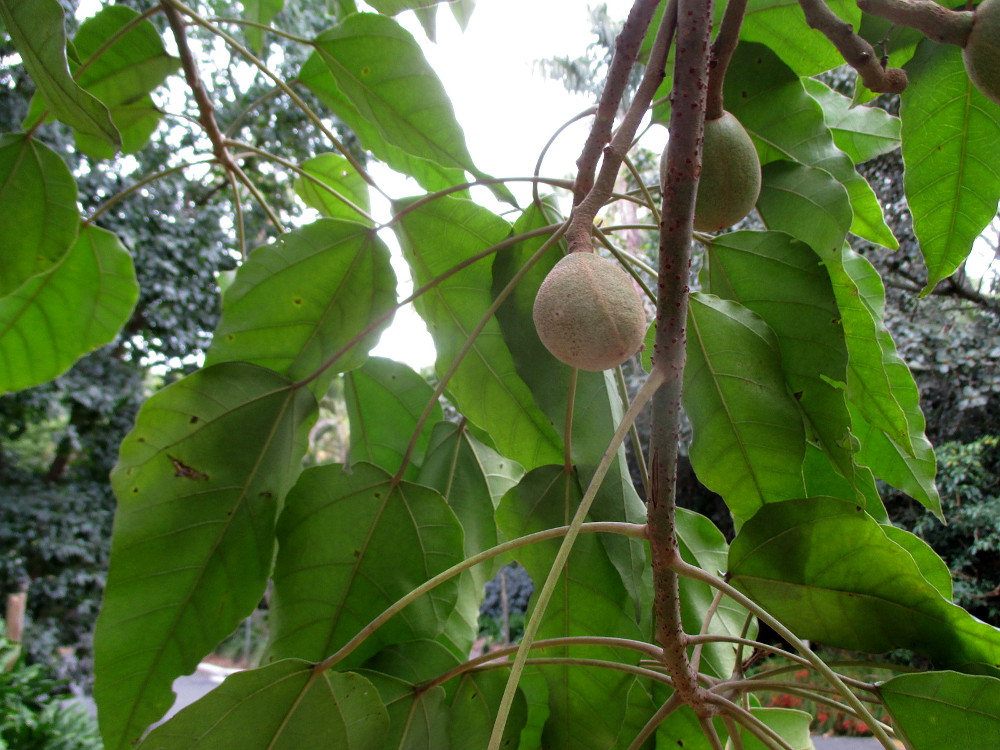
730,175
588,313
982,49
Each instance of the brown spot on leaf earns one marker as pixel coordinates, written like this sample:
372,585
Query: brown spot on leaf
183,471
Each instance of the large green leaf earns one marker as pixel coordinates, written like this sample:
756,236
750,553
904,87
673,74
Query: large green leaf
589,600
944,710
472,477
475,705
382,74
952,177
37,29
54,319
194,531
339,187
38,215
486,386
829,572
862,133
351,545
781,25
430,175
121,70
385,399
300,302
283,706
749,440
597,405
786,123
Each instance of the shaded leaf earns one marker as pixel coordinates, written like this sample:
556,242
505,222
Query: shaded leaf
807,203
749,440
262,12
392,7
829,572
385,399
952,178
54,319
351,545
298,303
37,29
486,386
283,706
474,707
944,710
38,216
345,185
194,531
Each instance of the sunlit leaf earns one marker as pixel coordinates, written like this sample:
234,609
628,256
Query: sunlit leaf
346,187
952,177
791,725
862,133
486,386
829,572
786,123
37,30
781,25
351,545
121,70
194,531
302,306
260,12
944,710
283,706
38,215
749,440
54,319
385,399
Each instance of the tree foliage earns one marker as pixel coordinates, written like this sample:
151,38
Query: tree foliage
642,628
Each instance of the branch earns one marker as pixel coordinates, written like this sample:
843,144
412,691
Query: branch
934,21
856,51
722,52
627,49
679,188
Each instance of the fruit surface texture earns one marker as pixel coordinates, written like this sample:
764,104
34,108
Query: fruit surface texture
730,175
588,313
982,50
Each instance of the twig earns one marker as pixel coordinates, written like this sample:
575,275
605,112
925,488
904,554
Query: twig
627,48
856,51
926,16
722,52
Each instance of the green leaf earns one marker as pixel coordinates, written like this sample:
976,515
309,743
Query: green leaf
475,705
779,279
283,706
392,7
260,11
749,440
121,70
862,133
786,123
37,30
316,76
80,305
952,178
339,186
944,710
486,386
194,531
829,572
933,568
597,405
381,72
472,477
306,299
790,724
38,216
385,399
807,203
351,545
780,25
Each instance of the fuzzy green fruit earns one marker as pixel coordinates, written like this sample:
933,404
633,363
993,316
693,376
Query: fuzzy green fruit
588,313
730,175
982,49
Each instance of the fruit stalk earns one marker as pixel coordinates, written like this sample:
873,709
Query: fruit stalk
926,16
679,185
